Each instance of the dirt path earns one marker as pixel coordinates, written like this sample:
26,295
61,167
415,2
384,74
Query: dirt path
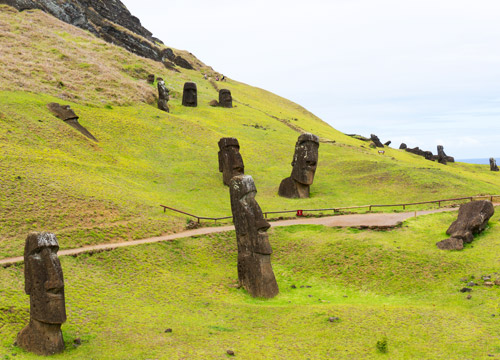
356,220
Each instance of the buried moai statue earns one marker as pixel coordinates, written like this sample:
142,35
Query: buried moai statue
66,114
225,98
493,165
44,284
305,160
230,160
190,95
255,272
151,78
163,96
472,219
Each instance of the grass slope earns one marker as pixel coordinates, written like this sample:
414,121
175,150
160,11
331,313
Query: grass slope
55,179
382,285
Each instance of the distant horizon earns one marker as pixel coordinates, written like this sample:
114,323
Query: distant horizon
479,161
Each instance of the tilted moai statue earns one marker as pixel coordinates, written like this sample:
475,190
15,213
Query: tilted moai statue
493,165
441,156
190,95
163,96
44,284
255,272
230,160
225,98
305,160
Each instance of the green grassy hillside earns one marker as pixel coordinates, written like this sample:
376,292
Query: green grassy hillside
381,285
54,178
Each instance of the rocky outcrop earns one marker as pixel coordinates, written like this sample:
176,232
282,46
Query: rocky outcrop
107,19
472,219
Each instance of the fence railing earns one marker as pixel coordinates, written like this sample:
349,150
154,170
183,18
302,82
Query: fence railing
300,212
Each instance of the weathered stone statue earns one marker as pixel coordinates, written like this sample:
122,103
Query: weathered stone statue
163,96
44,284
225,98
190,95
305,160
403,146
230,160
493,165
472,219
66,114
151,78
441,156
255,272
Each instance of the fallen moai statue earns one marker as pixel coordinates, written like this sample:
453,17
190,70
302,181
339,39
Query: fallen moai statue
44,283
66,114
472,219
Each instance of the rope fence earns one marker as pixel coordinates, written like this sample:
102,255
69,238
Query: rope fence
300,212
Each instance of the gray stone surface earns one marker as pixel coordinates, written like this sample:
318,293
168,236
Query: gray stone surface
230,160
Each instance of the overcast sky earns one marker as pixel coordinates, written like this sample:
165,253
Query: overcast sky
423,72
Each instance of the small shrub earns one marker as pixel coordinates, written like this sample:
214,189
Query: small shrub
382,346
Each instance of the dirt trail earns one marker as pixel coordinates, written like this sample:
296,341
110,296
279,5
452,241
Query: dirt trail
356,220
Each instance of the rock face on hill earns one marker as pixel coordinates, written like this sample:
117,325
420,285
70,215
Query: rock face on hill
107,19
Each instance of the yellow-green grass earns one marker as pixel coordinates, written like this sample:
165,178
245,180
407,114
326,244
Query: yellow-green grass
55,179
382,285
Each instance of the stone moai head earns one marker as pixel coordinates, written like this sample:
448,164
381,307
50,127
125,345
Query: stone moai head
230,160
493,164
305,159
190,95
43,276
44,284
151,78
163,96
225,98
255,273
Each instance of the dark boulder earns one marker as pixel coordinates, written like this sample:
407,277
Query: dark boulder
403,146
472,219
387,143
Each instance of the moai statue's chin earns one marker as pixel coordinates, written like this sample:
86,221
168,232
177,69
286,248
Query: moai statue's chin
190,95
230,160
44,283
305,160
255,272
225,98
163,96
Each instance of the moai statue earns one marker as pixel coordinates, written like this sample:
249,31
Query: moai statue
493,165
151,78
225,98
305,160
66,114
44,284
230,160
255,272
441,156
376,140
190,95
163,96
